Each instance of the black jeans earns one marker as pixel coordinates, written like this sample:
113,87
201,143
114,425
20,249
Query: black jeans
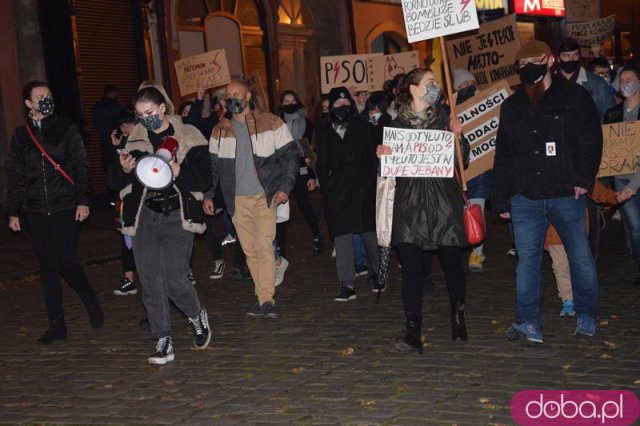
128,262
211,238
55,241
414,262
302,197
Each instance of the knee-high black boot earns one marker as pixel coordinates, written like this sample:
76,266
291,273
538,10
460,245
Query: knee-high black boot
458,325
57,329
411,342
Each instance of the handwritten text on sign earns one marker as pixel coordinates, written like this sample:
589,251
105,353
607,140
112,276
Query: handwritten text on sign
427,19
620,149
593,32
208,70
418,153
489,53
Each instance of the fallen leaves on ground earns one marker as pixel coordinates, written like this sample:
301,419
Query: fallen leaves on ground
610,344
298,370
483,400
348,351
605,356
367,402
566,366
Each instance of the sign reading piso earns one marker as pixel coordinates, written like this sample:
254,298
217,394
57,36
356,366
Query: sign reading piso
480,118
418,153
206,70
427,19
347,70
489,54
620,149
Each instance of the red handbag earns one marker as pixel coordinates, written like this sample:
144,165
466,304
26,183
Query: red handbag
473,219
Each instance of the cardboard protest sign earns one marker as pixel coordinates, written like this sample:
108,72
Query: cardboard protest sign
383,68
418,153
347,70
592,32
620,149
582,10
488,53
208,70
480,118
427,19
257,90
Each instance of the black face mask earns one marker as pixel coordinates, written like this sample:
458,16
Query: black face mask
290,109
465,94
341,112
532,73
569,66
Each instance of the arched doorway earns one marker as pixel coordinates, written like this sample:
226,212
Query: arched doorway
238,26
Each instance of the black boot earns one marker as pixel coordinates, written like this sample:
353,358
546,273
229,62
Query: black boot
57,329
458,325
412,340
96,317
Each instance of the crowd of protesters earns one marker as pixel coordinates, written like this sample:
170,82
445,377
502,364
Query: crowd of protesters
239,164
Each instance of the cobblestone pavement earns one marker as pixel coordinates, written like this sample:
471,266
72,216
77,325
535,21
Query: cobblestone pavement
321,362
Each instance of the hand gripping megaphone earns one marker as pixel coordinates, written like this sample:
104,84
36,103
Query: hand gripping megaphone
154,171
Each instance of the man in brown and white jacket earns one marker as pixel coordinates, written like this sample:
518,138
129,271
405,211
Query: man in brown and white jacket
255,160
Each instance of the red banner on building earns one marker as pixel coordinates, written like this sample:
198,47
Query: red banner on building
553,8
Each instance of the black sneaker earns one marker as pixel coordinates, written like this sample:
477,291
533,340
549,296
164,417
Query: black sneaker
318,247
266,310
201,331
346,294
379,287
217,271
127,287
191,277
163,353
241,273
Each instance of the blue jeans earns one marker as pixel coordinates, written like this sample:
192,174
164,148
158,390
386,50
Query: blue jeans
631,215
530,219
359,254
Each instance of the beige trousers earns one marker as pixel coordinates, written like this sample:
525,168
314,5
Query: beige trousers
256,227
562,271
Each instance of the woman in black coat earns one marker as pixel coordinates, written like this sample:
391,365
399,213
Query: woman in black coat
428,214
53,204
347,168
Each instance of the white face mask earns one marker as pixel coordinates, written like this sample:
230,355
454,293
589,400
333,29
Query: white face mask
630,89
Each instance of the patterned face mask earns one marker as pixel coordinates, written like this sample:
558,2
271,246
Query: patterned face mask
46,106
151,122
235,105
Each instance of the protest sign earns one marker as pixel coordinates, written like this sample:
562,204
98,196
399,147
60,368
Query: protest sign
350,71
418,153
207,70
620,149
383,68
257,90
488,53
592,32
582,10
427,19
480,118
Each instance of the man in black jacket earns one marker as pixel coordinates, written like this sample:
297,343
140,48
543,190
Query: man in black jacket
548,151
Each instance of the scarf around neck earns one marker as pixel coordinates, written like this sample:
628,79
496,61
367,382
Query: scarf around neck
296,123
418,120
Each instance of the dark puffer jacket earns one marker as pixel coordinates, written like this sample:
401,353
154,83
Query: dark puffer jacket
429,212
34,185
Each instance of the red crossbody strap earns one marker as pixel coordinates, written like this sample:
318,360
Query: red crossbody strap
48,157
464,196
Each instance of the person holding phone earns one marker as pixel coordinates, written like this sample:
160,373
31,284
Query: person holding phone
161,223
256,162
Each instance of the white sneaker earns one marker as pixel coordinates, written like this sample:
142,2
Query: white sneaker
229,239
280,270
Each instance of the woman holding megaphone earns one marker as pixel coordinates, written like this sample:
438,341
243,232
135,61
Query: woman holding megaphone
161,175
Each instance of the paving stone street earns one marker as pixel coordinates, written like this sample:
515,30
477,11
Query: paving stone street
320,362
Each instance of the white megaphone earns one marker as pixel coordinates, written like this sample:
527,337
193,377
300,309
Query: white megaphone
154,171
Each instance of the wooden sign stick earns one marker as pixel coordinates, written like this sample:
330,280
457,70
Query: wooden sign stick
447,75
